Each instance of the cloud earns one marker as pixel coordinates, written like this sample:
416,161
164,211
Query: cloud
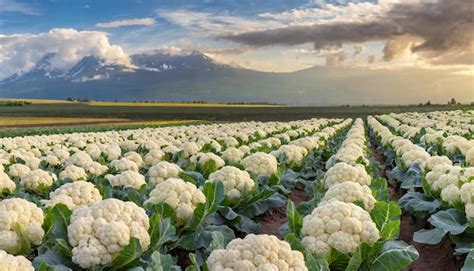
430,29
358,49
228,51
15,6
20,52
129,22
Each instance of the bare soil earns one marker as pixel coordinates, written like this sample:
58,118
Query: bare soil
271,221
432,257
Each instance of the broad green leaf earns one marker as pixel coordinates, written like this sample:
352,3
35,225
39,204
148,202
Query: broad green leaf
49,259
294,242
358,258
418,203
161,231
386,216
432,236
23,247
295,221
127,257
193,177
379,189
395,255
451,220
315,263
469,262
162,262
56,220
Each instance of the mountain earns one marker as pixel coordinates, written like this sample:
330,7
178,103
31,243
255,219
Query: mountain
161,77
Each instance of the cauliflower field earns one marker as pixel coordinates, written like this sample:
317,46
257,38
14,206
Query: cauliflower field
194,197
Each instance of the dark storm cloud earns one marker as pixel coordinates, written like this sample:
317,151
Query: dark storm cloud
434,29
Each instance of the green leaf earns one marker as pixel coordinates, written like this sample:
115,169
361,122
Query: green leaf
386,216
214,193
56,221
24,247
49,259
161,231
294,242
395,255
161,262
379,189
127,256
295,221
418,203
432,236
163,209
193,177
208,167
359,257
469,262
451,220
315,263
63,247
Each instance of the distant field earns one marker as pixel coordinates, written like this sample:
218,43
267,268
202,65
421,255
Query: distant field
226,113
179,104
38,101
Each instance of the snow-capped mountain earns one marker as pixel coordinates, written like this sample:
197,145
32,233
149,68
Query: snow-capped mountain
41,71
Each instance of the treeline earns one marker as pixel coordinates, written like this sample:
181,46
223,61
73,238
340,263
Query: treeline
14,103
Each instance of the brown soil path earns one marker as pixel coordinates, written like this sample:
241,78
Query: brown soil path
432,257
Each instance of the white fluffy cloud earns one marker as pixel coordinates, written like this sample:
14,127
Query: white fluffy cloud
20,52
15,6
115,24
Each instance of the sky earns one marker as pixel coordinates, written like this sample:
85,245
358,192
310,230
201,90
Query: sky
265,35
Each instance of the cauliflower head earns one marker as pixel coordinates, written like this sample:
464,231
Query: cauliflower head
180,195
256,252
351,192
14,212
339,225
232,155
99,231
153,157
14,263
128,178
38,179
235,181
74,173
260,164
293,153
342,172
162,171
74,195
6,182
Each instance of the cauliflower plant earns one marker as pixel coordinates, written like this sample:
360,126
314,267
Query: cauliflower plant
235,181
451,194
14,213
342,172
260,164
351,192
293,153
74,173
14,263
232,155
433,161
162,171
18,170
202,158
99,231
256,252
127,178
38,179
6,183
154,157
339,225
190,149
124,164
135,157
74,195
180,195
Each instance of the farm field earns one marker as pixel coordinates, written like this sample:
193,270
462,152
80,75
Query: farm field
382,192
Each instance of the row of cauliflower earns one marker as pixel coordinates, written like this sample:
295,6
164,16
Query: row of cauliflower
100,228
452,182
78,156
448,129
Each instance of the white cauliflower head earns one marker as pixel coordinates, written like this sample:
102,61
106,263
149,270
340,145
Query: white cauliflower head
127,178
14,263
74,195
6,183
202,158
99,231
351,192
124,164
18,170
162,171
180,195
153,157
27,215
190,149
293,153
256,252
339,225
135,157
260,164
74,173
342,172
470,156
235,181
232,155
38,179
451,194
433,161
